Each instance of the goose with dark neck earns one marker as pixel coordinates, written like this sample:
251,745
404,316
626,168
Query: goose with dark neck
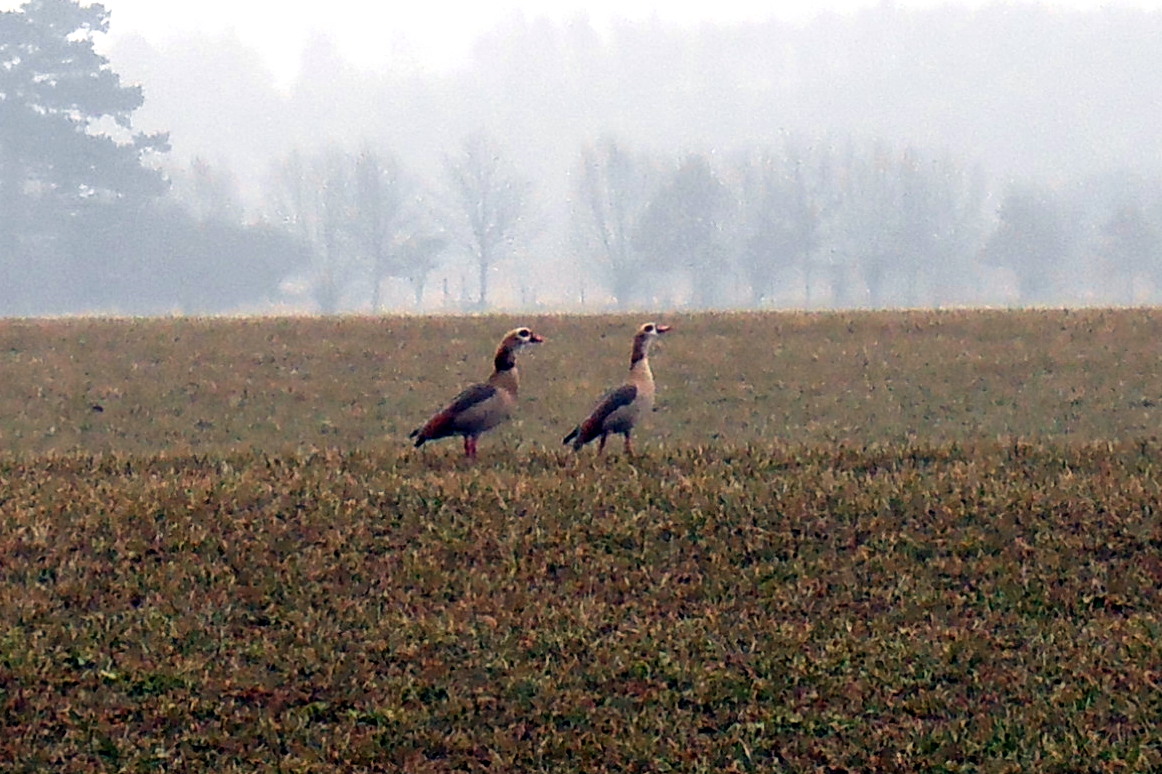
480,407
620,410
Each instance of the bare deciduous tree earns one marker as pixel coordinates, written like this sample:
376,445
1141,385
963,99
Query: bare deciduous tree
380,198
779,219
1030,239
682,229
1129,247
312,198
490,200
613,189
207,192
391,225
416,257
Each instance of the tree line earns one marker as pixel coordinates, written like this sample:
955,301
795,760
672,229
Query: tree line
88,222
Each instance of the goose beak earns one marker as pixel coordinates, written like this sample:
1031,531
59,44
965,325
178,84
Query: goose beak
663,328
535,339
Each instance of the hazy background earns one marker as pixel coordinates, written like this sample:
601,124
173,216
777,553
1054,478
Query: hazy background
470,158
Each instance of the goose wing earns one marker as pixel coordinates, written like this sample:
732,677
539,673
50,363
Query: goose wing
444,423
594,424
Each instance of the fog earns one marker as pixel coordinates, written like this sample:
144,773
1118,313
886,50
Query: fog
892,158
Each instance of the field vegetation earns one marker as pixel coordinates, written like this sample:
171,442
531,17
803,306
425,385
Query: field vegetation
849,542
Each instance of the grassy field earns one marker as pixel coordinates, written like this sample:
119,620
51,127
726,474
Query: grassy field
284,385
866,542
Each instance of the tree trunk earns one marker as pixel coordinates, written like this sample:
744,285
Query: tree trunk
418,288
376,281
485,262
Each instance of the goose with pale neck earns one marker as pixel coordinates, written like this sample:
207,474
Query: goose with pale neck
620,410
481,407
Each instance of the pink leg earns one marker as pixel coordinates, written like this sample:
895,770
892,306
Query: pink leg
470,447
628,445
601,445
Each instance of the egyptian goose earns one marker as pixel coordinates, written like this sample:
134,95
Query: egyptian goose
481,407
622,408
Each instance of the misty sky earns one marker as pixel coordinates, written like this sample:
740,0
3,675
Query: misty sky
977,97
439,33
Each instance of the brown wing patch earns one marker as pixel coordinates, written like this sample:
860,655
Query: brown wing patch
443,423
594,425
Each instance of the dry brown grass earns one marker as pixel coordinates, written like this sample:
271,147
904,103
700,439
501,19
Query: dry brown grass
851,543
792,378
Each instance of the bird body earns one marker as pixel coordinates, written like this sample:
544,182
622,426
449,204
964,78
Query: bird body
621,409
480,407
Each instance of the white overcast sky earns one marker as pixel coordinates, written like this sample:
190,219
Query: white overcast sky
438,33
